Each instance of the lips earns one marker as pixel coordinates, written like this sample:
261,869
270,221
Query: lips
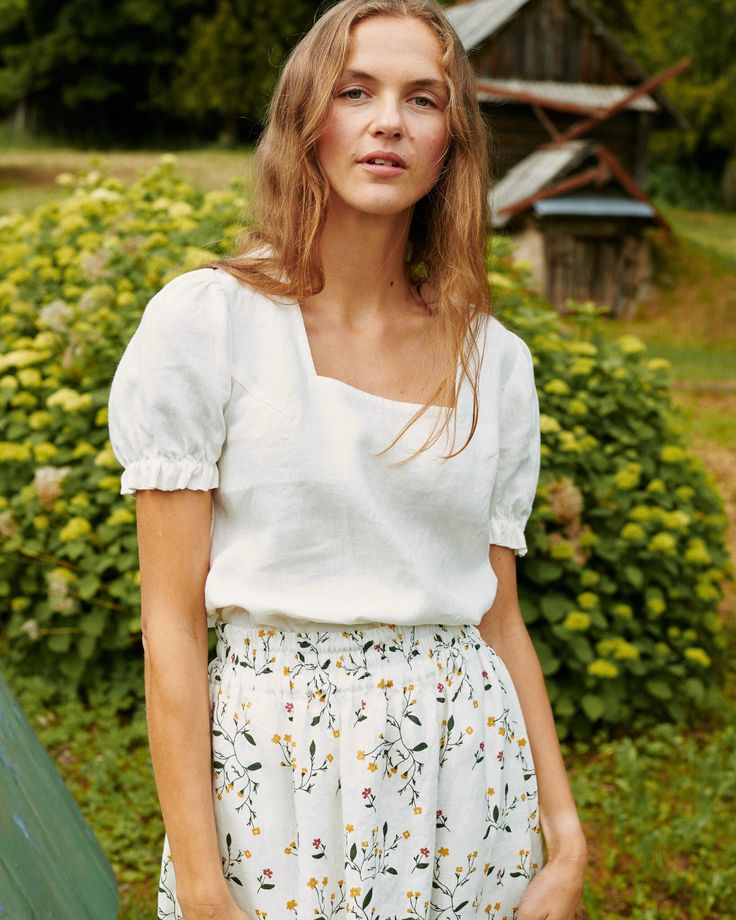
384,157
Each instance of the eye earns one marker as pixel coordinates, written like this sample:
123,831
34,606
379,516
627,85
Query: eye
354,89
426,99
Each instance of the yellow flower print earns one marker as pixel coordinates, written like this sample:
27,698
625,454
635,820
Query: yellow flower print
406,835
469,730
312,883
443,851
255,831
355,892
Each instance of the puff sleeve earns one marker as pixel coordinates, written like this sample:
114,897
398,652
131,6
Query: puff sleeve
517,474
166,407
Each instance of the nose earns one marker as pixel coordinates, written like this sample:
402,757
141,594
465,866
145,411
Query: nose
387,119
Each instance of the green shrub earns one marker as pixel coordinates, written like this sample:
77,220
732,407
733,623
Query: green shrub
627,538
76,274
627,551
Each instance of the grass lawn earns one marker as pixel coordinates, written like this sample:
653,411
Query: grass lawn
659,807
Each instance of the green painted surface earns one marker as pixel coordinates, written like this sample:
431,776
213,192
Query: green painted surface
51,864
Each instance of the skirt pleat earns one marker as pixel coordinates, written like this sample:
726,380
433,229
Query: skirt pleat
378,772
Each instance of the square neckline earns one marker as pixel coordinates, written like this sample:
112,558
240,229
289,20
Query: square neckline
400,404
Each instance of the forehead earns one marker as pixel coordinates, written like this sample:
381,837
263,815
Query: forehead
399,45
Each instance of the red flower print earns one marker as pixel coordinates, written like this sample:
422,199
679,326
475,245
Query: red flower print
317,842
366,792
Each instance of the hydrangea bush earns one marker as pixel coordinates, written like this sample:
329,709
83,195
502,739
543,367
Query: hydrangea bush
627,537
75,275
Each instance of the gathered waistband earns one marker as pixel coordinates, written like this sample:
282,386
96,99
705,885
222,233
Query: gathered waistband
275,659
347,637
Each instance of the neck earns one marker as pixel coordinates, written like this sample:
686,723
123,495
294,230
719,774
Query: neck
363,259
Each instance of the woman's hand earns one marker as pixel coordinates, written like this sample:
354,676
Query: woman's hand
554,892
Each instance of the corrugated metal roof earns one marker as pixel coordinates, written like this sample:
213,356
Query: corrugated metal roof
476,20
587,94
594,205
531,174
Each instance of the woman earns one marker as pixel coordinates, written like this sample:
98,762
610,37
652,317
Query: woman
373,736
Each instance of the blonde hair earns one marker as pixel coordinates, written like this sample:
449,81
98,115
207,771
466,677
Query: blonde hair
447,238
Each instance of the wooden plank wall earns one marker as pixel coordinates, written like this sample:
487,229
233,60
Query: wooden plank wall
547,40
516,132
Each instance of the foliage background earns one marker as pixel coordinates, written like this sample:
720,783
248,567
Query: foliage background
147,72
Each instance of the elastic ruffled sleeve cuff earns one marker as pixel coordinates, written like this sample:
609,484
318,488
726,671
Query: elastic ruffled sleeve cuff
167,474
505,532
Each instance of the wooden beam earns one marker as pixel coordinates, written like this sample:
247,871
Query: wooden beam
627,180
599,115
546,121
597,174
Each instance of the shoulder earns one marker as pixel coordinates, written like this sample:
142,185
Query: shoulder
199,301
506,348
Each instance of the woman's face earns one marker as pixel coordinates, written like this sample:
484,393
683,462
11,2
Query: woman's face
391,97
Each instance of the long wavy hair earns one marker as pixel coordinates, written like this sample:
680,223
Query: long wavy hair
278,254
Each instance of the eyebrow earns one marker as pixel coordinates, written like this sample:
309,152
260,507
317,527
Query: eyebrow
427,82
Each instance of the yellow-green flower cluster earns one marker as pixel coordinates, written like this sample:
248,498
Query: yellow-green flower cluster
576,621
663,542
599,667
618,647
630,344
70,400
75,528
633,532
628,477
698,655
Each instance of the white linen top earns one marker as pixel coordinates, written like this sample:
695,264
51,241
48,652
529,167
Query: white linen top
217,390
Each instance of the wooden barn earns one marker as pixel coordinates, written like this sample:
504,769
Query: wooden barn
570,113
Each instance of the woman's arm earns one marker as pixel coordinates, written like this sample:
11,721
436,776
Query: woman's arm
174,554
503,628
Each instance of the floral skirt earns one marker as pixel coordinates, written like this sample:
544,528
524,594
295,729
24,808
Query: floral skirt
382,772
